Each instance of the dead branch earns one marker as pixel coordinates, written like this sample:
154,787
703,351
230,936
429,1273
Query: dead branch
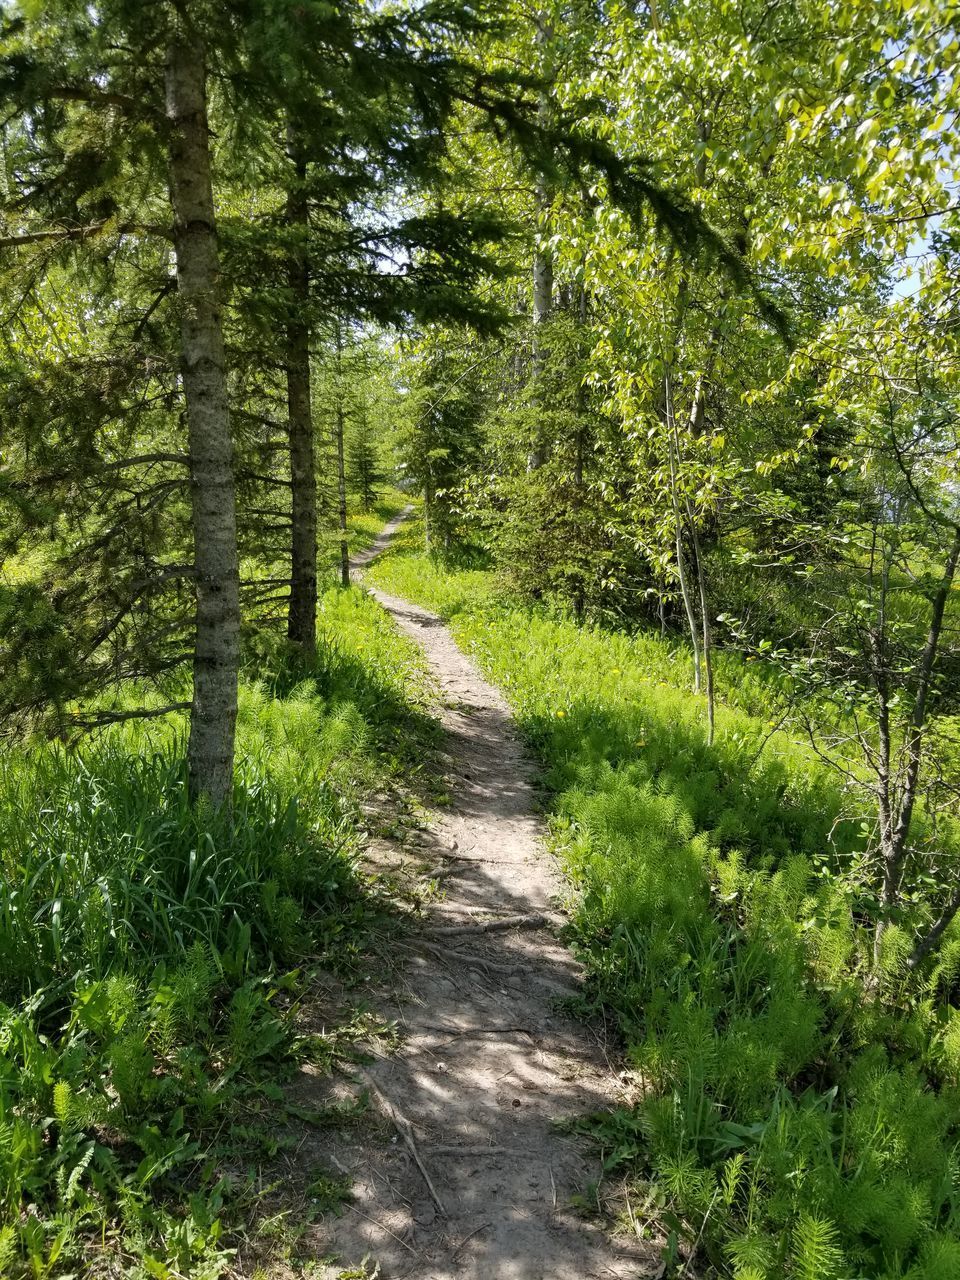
535,921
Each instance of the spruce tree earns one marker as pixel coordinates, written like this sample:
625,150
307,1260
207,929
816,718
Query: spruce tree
113,111
363,464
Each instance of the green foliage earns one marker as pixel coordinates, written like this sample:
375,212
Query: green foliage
147,998
135,873
328,1191
796,1124
647,444
650,429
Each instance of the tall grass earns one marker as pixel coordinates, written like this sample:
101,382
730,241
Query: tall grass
793,1123
144,943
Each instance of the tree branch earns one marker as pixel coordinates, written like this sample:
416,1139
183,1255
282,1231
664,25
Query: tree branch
936,931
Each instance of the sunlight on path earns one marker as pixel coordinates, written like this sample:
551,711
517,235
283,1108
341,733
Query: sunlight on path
474,1181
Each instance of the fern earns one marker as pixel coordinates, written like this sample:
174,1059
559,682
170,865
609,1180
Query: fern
164,911
940,1260
8,1248
732,1175
63,1108
895,949
68,1183
749,1255
815,1253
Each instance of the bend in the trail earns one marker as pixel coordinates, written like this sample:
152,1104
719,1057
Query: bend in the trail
474,1180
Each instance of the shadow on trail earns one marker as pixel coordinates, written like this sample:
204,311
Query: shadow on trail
486,1068
715,926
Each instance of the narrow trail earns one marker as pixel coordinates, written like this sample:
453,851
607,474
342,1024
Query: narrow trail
474,1180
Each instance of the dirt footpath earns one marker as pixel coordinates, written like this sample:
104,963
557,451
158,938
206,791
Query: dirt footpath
474,1180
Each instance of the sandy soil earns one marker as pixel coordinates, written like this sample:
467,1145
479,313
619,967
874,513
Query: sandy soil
473,1179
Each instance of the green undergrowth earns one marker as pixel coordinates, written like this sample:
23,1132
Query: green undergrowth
153,956
792,1125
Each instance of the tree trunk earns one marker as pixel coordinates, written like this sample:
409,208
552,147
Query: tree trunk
707,632
896,820
886,791
302,615
696,418
542,287
428,514
918,717
929,941
579,444
342,495
542,263
678,522
542,303
217,644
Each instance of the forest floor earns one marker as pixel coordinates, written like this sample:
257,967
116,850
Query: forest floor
471,1173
